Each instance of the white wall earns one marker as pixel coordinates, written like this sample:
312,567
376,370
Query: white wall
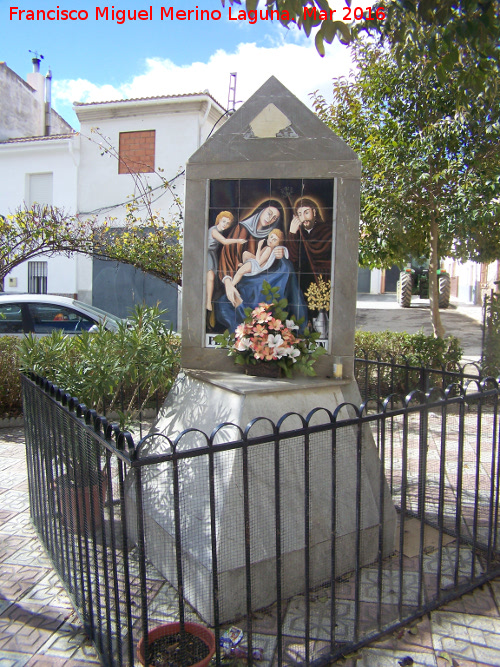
85,180
179,126
469,277
376,281
60,157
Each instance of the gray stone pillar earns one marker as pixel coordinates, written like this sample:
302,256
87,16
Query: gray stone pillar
273,154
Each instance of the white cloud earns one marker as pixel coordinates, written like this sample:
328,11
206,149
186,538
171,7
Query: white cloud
297,65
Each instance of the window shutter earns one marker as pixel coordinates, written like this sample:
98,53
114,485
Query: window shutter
40,188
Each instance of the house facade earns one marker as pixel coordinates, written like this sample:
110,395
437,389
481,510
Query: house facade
123,153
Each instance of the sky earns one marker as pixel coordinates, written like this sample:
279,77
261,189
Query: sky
96,59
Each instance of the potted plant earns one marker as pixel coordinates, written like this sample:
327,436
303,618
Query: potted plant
192,645
268,341
77,475
318,298
80,498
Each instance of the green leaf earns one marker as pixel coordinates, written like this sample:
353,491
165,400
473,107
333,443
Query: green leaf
320,47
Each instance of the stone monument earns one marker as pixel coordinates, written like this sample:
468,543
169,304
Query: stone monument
272,168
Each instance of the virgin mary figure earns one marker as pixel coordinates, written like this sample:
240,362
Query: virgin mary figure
230,307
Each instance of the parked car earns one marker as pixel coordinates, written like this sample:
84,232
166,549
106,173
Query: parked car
41,314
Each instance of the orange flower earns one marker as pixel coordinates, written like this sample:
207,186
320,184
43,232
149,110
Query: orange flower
259,330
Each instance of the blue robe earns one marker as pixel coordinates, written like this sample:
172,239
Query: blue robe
281,275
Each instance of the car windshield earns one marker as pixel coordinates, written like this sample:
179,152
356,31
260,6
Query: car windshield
99,314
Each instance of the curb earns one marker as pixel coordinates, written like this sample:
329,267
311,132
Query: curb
10,422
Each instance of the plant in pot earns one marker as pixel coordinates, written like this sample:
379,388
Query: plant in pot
80,498
177,645
268,342
78,477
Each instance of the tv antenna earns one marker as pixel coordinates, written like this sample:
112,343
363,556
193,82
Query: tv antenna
37,56
231,98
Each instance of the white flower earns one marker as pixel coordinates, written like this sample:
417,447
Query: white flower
290,324
243,344
293,352
274,340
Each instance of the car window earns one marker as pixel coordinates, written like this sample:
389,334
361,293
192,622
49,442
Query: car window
102,314
11,319
48,317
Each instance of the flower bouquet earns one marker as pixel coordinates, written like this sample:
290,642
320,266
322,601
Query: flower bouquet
318,294
269,336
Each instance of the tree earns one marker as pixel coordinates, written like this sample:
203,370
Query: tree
431,173
152,245
426,24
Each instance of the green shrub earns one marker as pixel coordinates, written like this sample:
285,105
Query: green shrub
417,348
11,404
400,351
125,371
122,371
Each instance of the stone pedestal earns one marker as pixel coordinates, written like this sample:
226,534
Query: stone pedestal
204,400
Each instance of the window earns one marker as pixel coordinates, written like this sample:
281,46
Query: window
37,277
47,317
11,319
137,152
39,189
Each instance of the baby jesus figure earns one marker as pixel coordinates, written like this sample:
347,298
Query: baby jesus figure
263,258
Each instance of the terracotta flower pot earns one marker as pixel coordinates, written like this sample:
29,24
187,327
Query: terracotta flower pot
194,629
88,499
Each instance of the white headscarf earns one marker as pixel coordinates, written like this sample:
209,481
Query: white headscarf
251,222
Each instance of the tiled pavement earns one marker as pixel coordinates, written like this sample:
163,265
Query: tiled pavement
39,628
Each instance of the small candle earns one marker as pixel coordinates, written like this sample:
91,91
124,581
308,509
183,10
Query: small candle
337,368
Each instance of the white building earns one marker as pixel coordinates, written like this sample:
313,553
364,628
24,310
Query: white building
123,148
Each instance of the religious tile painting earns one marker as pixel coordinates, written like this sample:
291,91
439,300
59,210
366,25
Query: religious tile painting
273,230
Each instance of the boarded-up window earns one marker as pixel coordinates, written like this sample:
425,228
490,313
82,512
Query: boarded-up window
39,189
137,152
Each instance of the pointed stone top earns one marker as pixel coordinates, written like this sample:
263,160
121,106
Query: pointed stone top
275,125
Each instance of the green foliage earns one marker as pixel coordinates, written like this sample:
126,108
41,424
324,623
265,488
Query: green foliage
461,26
448,31
267,335
422,161
110,371
313,21
148,351
491,352
11,403
153,245
39,229
417,349
399,352
431,174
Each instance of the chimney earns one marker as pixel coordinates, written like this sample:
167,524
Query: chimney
37,81
48,101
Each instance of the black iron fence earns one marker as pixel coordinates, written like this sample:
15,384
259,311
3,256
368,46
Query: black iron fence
381,377
314,536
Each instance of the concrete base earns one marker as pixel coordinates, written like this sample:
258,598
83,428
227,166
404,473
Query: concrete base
204,400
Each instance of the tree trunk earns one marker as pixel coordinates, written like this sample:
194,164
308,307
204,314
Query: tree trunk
437,325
